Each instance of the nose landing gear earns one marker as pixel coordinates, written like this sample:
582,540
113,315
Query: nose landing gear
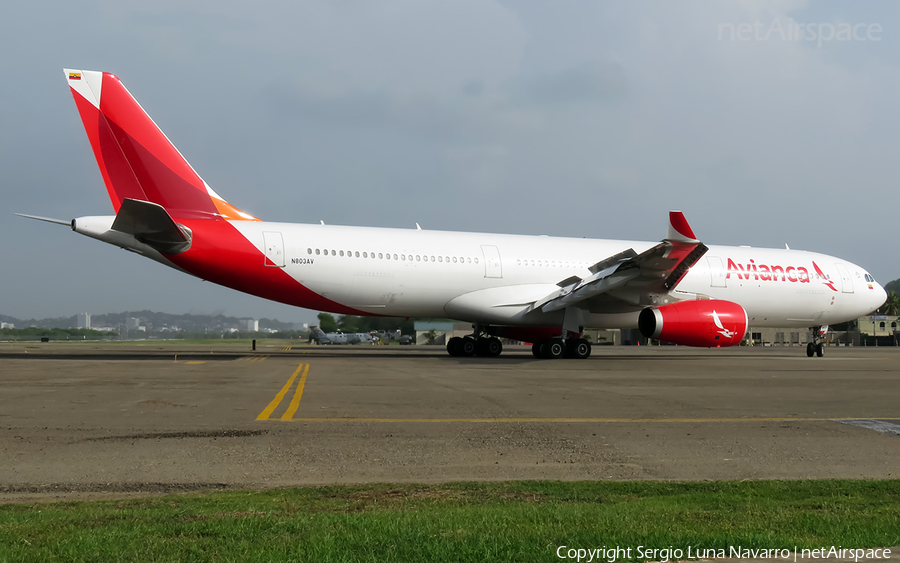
816,344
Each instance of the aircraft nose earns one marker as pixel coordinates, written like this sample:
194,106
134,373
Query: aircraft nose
880,295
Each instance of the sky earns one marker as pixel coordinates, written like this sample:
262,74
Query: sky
570,118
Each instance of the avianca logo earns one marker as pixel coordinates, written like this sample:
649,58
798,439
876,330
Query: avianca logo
774,272
722,330
826,281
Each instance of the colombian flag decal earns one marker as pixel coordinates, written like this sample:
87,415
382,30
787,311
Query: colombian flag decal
74,76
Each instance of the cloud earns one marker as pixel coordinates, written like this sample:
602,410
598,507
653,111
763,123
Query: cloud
595,83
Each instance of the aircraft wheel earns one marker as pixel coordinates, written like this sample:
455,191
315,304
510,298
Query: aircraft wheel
467,347
453,346
553,349
820,349
810,350
536,350
579,348
493,347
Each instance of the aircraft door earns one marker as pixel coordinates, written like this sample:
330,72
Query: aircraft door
492,267
274,246
717,271
846,280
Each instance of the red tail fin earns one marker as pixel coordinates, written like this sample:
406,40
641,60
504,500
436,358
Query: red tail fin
136,158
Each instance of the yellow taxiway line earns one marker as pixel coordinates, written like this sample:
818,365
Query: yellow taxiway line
298,394
264,415
597,420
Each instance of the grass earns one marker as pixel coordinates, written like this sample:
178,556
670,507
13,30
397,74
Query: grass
511,521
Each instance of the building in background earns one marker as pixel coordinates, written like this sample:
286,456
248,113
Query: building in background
83,320
251,325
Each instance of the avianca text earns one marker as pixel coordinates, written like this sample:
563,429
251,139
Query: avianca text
767,272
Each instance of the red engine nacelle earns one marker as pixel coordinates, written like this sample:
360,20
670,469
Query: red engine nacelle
706,323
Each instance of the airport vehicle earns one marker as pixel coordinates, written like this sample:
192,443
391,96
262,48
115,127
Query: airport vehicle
322,337
534,288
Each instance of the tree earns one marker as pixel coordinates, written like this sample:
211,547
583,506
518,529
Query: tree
327,322
431,336
892,304
349,323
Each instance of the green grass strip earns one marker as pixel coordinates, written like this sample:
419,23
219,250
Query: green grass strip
509,521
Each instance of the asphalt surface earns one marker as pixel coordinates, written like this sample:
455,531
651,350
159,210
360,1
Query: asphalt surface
95,420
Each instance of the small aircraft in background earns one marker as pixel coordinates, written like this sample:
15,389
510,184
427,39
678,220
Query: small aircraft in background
321,337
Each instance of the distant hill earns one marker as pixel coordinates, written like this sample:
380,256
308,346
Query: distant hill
155,321
893,286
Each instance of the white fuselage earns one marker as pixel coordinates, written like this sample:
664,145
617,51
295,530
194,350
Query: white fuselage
492,278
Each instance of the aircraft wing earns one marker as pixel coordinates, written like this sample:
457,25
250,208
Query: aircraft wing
657,269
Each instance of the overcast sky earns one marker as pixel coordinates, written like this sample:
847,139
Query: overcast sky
564,118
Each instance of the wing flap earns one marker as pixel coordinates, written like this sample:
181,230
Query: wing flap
658,269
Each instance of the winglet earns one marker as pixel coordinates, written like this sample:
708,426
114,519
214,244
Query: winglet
679,229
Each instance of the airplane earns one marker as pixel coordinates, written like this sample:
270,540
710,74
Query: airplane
321,337
538,289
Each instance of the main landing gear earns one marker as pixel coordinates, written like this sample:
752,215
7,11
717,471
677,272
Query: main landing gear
816,344
482,343
555,348
489,346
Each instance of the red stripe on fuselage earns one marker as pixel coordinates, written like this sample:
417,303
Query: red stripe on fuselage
221,254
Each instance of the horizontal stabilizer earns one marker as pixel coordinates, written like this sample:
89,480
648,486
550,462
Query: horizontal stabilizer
149,223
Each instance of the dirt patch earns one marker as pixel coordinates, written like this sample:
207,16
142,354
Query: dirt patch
179,435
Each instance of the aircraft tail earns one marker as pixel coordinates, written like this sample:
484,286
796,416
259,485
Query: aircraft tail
135,157
318,335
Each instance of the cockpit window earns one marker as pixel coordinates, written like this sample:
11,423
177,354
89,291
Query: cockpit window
869,278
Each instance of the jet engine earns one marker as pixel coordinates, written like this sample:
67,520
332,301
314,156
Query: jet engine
705,323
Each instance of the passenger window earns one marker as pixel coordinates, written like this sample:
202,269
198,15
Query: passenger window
365,255
333,253
417,258
476,260
395,256
317,252
403,257
388,256
440,258
342,252
309,250
379,255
